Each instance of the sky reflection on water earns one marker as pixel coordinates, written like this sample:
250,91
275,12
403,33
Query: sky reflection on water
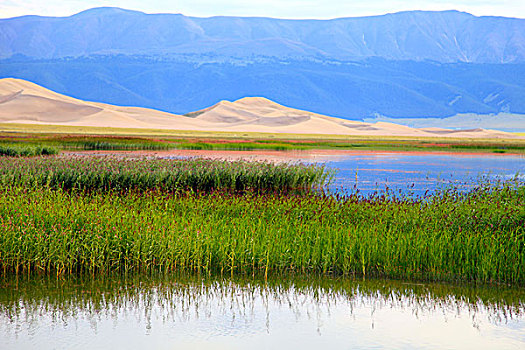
193,313
415,173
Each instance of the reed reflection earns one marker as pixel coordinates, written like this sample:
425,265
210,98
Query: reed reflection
240,302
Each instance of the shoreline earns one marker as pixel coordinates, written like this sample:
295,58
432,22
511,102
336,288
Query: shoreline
274,155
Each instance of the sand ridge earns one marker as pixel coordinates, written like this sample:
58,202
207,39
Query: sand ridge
25,102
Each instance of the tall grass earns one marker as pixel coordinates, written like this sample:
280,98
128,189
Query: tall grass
89,143
240,146
21,150
122,174
478,236
117,146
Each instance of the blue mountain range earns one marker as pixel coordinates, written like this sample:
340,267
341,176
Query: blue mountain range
410,64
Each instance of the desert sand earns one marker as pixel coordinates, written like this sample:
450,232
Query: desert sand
24,102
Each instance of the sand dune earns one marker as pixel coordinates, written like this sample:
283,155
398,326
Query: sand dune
25,102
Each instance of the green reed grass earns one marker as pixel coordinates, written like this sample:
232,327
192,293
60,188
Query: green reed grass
479,236
250,141
117,146
125,174
101,143
240,146
21,150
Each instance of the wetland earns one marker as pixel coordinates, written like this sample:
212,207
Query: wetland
155,247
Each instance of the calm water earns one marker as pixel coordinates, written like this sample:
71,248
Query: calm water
193,313
416,173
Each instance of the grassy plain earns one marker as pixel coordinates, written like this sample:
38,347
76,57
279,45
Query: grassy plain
94,138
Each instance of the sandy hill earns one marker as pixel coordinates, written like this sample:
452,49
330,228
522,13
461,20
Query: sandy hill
25,102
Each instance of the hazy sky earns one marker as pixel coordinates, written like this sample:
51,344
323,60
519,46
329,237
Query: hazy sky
266,8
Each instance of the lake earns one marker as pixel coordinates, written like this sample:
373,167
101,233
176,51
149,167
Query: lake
191,312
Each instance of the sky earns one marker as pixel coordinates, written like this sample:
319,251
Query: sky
321,9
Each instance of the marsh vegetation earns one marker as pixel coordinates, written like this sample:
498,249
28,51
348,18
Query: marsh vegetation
99,215
70,216
24,150
105,139
131,175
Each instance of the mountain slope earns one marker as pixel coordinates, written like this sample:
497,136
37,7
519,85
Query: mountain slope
25,102
353,90
447,36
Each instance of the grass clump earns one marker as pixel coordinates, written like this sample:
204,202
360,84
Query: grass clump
96,145
478,236
124,174
20,150
240,146
101,143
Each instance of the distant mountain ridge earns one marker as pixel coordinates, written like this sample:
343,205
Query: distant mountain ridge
446,36
352,90
412,64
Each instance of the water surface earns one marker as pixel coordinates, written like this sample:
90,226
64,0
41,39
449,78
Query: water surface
417,173
205,313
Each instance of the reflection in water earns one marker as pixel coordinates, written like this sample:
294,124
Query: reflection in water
414,173
192,312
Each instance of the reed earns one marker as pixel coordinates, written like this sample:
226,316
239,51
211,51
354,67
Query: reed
95,143
116,146
21,150
124,174
250,141
240,146
477,236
